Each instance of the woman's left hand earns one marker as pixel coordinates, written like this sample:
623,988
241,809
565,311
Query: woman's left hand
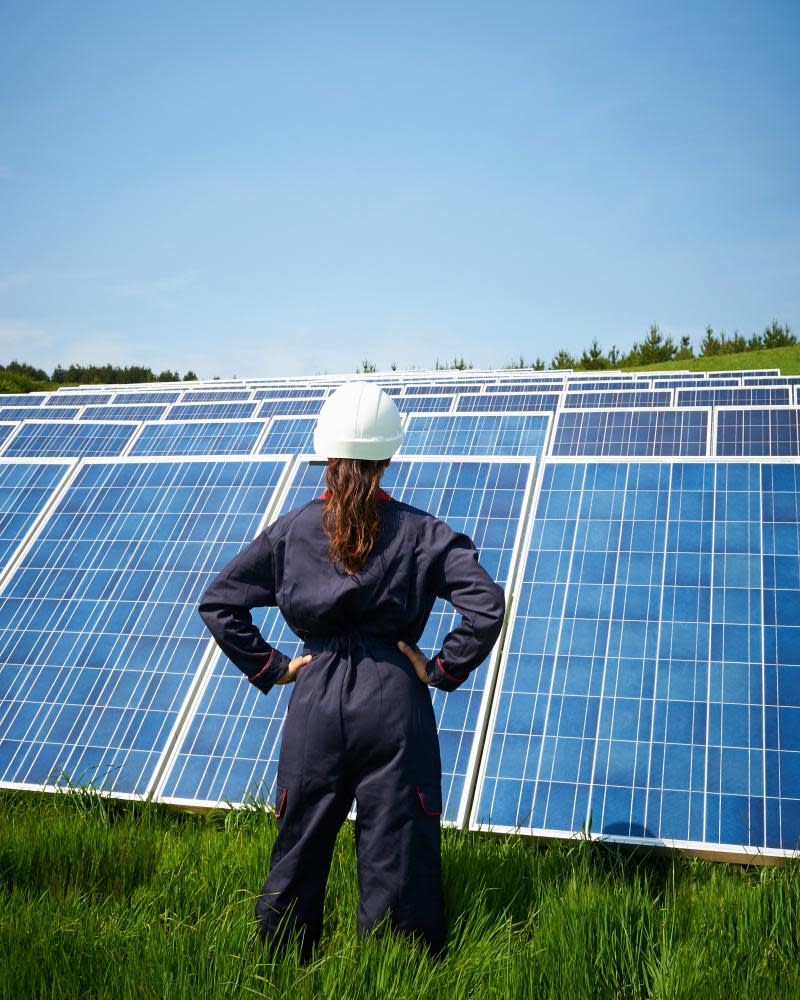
295,665
418,660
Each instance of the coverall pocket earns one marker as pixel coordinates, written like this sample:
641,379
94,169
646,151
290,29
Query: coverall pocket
430,799
280,799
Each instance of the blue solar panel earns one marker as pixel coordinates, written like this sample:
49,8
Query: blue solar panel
686,383
65,439
124,412
604,385
204,437
749,396
5,431
216,396
758,432
648,686
543,402
231,745
37,412
424,404
748,372
21,399
439,388
78,399
284,393
289,436
25,488
631,432
100,640
211,411
773,380
148,397
289,407
476,434
540,385
611,398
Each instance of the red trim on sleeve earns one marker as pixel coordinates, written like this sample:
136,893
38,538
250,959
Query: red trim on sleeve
422,803
449,676
279,810
261,671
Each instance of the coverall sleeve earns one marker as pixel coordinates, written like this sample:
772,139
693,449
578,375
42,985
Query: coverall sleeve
461,580
248,581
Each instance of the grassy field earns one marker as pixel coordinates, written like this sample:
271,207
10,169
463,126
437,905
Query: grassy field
111,899
785,358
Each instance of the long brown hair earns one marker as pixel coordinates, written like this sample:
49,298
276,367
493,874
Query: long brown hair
350,516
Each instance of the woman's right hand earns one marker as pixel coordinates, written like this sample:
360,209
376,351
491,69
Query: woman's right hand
295,666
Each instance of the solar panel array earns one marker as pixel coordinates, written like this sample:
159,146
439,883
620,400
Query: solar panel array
644,526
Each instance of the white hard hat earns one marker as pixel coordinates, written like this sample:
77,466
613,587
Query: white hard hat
358,420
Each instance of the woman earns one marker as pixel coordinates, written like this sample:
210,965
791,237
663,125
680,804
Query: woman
355,574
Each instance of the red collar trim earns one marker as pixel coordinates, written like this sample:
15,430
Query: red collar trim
382,495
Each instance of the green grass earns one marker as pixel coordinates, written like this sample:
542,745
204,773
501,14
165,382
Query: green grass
102,898
787,359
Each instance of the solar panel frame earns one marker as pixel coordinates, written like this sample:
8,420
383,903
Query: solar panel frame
540,402
490,667
705,849
211,411
259,426
618,399
666,411
75,425
478,416
767,411
211,649
750,396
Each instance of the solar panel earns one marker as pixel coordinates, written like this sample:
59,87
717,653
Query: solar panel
230,747
300,393
124,412
148,398
25,489
211,411
21,399
632,432
647,690
758,432
69,439
424,404
528,401
685,383
216,396
749,396
476,434
36,412
442,386
289,435
540,385
78,399
100,640
289,407
611,398
741,373
5,431
605,385
198,437
773,380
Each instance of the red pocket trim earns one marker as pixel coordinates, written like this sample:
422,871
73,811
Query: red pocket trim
422,803
279,810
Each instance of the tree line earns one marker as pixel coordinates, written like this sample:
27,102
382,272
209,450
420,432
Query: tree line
17,376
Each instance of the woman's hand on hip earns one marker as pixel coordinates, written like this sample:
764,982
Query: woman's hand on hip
295,666
418,660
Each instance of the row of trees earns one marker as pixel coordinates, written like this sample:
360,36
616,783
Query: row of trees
17,376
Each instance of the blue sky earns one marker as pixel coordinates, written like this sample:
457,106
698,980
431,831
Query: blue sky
260,188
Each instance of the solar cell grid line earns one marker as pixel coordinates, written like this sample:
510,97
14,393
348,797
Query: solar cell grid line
229,746
26,489
216,396
755,431
632,432
749,396
424,404
198,437
60,399
613,398
70,439
148,398
289,436
101,611
35,412
541,402
211,411
487,434
647,690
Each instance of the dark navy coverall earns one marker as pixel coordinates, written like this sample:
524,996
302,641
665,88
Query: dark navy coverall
360,723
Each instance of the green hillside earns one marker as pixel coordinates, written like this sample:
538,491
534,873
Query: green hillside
785,358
